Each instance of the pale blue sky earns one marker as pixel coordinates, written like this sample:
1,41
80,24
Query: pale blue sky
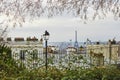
63,29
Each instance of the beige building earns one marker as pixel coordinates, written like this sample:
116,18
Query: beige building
101,54
26,52
71,50
51,49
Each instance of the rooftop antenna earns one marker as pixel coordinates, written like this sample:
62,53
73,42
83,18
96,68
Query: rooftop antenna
76,42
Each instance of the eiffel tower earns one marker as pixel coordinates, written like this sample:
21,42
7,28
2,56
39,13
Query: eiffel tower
76,42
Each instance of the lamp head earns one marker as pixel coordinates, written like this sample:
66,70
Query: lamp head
46,35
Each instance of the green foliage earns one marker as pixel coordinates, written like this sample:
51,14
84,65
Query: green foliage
9,70
8,67
54,73
5,51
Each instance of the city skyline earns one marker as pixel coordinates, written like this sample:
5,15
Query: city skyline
62,28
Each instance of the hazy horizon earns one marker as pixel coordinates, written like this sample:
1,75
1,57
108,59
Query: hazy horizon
63,28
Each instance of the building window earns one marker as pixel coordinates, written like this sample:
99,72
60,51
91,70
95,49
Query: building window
35,65
35,54
22,54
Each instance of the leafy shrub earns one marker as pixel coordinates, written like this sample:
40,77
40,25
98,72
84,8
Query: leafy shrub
9,70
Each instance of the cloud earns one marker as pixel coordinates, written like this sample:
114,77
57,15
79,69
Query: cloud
63,29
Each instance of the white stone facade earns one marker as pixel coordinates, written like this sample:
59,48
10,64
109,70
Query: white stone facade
105,50
71,50
29,53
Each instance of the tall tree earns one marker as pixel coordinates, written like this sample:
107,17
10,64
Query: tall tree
16,12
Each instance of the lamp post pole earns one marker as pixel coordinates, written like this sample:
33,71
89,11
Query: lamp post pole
46,37
46,55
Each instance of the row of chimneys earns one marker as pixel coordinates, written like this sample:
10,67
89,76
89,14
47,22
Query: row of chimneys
21,39
109,41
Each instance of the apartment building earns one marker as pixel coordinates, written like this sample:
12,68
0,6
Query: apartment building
27,52
101,54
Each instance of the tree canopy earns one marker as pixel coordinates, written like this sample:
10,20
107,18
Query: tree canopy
18,11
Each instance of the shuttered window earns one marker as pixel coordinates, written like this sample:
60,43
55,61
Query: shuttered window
22,54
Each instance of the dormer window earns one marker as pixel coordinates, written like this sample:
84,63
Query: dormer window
32,39
19,39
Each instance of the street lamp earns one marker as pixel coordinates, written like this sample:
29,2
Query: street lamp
46,37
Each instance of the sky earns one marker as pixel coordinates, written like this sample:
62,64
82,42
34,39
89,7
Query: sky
62,29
